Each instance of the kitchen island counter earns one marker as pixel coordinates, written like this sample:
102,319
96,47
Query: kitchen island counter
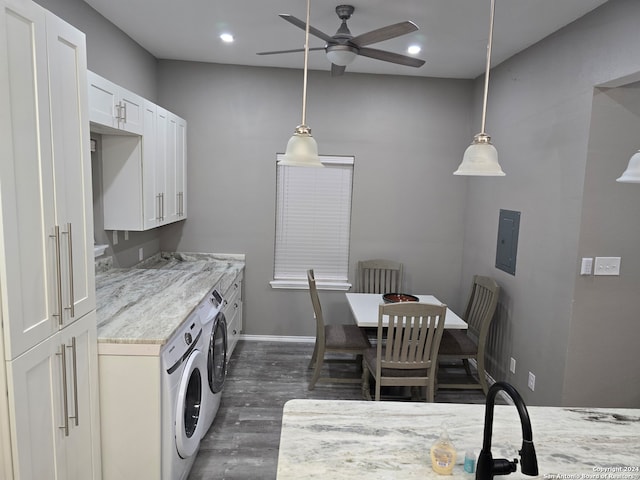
391,440
145,304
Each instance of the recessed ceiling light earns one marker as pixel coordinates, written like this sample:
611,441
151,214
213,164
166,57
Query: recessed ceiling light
226,37
413,49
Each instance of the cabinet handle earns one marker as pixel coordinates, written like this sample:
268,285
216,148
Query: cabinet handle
179,200
56,235
118,112
158,207
74,367
124,117
65,401
162,206
72,299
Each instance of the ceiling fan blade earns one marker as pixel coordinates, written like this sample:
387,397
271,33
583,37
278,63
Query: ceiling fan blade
391,57
300,24
288,51
384,33
337,70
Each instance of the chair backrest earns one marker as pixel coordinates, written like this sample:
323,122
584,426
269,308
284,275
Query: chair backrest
379,276
315,301
413,334
481,306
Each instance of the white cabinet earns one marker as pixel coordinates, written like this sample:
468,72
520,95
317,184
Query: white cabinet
114,107
47,272
47,283
144,177
54,403
232,310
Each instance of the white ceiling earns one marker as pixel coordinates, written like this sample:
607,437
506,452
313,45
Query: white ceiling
453,33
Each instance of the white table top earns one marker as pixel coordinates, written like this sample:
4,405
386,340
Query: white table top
349,440
364,307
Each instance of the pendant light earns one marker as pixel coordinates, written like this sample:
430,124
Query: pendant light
632,173
481,157
302,149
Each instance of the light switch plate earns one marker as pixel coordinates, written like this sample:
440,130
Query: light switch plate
607,266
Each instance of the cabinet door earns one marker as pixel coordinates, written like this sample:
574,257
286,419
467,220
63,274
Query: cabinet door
103,100
72,166
162,158
131,112
170,146
181,168
150,201
28,275
36,407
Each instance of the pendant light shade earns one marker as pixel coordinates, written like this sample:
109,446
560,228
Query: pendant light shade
481,157
632,173
302,149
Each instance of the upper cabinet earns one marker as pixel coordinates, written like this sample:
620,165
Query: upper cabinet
46,238
114,107
144,181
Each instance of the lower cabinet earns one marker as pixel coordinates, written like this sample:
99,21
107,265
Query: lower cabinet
233,313
53,406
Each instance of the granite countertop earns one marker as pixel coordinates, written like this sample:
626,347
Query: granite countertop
391,440
144,304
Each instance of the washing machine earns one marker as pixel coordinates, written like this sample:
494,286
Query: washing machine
184,372
214,327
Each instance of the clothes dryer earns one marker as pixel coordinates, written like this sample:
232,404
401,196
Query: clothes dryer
215,349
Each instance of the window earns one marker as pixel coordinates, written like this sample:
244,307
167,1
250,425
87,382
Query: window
313,224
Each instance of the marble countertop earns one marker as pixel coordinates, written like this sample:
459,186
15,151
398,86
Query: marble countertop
144,304
391,440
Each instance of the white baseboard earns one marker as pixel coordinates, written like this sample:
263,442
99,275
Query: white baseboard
276,338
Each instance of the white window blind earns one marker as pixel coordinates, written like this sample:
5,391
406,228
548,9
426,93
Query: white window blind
313,223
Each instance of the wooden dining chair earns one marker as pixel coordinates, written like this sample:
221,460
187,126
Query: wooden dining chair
348,339
406,353
470,344
379,276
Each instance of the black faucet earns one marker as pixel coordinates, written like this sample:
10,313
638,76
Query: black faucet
487,466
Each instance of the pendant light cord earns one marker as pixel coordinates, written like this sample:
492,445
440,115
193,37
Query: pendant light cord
306,59
488,68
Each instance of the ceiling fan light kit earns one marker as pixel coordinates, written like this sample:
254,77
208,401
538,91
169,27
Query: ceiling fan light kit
481,157
302,148
632,173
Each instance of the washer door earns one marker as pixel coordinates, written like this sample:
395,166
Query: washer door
217,356
188,405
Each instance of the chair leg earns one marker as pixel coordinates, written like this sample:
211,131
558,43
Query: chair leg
465,362
366,394
482,377
316,373
314,355
377,389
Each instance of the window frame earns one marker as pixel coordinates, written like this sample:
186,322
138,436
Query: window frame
298,280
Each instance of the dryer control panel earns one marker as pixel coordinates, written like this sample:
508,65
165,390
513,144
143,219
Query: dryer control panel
182,342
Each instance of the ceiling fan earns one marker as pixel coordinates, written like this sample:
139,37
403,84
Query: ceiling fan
342,48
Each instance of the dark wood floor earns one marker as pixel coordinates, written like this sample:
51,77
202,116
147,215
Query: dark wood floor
243,442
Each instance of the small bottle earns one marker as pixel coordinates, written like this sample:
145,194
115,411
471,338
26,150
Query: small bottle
470,461
443,454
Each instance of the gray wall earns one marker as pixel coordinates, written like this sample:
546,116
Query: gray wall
571,332
407,135
562,143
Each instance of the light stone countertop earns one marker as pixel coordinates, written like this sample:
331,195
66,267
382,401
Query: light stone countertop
145,304
330,439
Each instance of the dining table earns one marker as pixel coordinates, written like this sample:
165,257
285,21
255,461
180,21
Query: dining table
364,307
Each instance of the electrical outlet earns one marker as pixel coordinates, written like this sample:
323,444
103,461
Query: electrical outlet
531,383
587,266
512,365
140,254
